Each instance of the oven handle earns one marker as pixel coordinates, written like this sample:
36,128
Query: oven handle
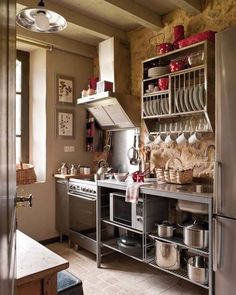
83,197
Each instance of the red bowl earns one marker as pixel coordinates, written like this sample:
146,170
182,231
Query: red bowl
177,65
163,83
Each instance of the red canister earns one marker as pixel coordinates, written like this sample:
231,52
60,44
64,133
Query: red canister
178,32
164,48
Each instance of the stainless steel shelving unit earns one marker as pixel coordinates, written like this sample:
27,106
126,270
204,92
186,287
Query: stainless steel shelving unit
148,255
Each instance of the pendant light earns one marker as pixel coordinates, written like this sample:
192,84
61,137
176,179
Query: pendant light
40,19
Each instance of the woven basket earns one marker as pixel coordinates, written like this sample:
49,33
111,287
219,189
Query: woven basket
179,176
25,174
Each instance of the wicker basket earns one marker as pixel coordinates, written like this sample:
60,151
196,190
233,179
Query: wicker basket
25,174
179,176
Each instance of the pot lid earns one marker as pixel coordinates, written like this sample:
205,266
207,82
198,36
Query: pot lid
197,225
164,223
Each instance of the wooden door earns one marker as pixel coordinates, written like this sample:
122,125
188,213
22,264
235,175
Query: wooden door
7,147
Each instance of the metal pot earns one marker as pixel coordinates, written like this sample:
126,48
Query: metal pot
198,269
167,255
196,234
165,229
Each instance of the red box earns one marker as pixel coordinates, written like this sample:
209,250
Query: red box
207,35
103,86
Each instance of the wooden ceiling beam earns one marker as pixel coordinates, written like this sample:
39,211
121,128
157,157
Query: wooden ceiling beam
92,26
191,6
138,13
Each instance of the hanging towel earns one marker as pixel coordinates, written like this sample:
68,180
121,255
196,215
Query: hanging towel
132,191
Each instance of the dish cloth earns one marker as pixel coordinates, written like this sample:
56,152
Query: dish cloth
132,191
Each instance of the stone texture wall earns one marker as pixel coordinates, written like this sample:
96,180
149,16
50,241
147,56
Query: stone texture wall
217,15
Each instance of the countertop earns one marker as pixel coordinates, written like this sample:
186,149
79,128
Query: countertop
35,261
190,192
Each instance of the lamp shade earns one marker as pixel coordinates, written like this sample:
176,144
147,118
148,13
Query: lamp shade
40,20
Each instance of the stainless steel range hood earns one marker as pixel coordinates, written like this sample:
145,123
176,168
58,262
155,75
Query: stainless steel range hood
118,109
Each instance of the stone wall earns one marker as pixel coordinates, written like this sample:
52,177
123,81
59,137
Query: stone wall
217,15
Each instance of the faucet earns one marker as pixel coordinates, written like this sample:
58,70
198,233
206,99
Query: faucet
208,149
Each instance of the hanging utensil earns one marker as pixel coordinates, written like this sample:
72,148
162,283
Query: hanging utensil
133,153
107,147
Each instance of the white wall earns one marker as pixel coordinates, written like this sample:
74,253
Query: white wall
39,221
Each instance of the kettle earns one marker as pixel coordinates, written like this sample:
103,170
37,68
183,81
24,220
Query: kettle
102,169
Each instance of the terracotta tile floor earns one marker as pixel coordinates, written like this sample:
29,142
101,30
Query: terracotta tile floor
122,275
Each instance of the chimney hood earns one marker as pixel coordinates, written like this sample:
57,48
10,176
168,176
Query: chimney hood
118,109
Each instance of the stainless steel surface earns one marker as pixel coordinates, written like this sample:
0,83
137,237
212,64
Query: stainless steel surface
122,141
62,207
196,235
167,255
226,120
226,241
165,229
82,213
192,207
198,269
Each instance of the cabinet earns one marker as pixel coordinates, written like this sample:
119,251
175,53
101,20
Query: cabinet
162,201
62,207
188,103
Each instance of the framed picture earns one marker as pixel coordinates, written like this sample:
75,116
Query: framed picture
65,123
65,90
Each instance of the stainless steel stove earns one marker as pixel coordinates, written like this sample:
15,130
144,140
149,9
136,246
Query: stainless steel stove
82,213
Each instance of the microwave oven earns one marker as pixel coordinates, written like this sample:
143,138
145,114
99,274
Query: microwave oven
153,208
126,213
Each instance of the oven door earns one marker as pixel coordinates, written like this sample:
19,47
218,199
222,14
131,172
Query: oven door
82,213
120,210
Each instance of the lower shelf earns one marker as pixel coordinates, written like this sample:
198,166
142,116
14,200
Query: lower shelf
112,244
181,273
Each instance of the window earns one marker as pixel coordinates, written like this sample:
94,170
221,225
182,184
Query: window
22,107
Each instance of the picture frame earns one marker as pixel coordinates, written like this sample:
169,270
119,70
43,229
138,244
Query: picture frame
65,90
65,124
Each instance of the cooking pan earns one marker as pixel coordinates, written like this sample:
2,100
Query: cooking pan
133,154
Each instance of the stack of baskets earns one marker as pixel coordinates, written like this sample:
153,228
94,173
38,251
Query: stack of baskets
25,174
177,176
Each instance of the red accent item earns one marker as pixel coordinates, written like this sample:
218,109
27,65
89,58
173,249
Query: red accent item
178,35
103,86
177,65
207,35
164,48
93,83
163,83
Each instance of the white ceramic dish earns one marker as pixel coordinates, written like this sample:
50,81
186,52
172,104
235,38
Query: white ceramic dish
158,71
177,101
145,109
121,177
181,99
196,98
201,96
186,99
166,105
191,98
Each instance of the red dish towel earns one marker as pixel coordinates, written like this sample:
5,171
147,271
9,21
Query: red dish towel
132,191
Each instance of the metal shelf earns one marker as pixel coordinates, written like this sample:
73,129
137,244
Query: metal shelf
181,273
188,70
156,93
112,244
179,241
155,77
106,220
174,115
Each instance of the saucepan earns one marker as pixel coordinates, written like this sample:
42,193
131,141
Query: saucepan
165,229
198,269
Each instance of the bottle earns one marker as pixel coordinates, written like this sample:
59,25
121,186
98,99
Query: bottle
63,170
73,170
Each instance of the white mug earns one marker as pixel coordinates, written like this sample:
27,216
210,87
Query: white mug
182,138
170,138
150,87
195,137
160,138
149,139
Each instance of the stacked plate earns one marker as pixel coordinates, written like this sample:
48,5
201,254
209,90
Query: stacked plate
190,99
156,106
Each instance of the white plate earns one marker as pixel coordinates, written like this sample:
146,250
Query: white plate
166,105
186,99
151,107
201,96
191,98
181,99
196,98
145,108
177,101
158,106
162,107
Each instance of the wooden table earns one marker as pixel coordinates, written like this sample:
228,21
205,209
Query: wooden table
37,267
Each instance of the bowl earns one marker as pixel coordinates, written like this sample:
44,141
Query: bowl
196,59
121,176
158,71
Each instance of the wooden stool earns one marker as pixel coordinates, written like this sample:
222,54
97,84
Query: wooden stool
68,284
